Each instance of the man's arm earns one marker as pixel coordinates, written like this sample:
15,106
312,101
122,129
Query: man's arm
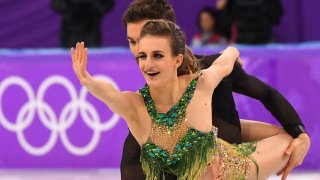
256,130
206,61
250,86
276,104
130,167
281,109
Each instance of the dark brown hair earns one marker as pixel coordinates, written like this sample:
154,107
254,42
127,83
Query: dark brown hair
148,9
177,38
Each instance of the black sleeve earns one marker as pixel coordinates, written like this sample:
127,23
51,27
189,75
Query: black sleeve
277,105
206,61
130,167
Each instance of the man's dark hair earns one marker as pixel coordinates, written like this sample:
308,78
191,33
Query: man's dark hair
148,9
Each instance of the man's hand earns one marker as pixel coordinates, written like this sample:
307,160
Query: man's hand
297,150
240,61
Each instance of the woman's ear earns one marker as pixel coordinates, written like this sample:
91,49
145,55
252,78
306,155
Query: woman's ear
179,60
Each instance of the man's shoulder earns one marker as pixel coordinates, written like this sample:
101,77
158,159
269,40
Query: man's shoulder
206,60
210,56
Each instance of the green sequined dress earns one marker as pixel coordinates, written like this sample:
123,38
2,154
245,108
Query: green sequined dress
176,148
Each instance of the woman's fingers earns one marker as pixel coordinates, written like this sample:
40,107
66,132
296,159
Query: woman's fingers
79,54
78,51
72,54
75,52
85,56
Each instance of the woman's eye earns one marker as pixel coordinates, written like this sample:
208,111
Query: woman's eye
141,57
132,42
157,56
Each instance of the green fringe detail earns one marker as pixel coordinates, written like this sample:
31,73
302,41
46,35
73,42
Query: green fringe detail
191,163
247,149
152,172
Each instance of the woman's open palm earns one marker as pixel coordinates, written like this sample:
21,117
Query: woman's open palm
79,61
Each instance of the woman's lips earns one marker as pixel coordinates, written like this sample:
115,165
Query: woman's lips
152,74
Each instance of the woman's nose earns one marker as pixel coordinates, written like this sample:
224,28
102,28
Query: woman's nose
149,63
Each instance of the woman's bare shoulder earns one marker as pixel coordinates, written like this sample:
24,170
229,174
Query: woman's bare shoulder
186,79
138,122
136,100
133,96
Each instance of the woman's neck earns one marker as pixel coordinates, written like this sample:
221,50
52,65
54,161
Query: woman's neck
167,95
170,93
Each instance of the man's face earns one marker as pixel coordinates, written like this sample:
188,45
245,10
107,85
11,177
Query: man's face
133,33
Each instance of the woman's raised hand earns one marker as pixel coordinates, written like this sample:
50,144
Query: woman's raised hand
79,62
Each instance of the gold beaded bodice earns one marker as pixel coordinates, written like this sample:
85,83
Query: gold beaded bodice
168,139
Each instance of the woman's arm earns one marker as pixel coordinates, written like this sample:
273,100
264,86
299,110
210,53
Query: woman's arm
225,62
220,67
118,102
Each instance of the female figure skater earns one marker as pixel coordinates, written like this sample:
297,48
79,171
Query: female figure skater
171,116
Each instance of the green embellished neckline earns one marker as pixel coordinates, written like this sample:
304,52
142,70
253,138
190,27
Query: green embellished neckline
175,113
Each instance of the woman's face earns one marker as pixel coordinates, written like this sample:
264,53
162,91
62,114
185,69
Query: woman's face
206,22
156,62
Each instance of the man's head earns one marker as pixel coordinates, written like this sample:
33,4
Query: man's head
139,12
148,9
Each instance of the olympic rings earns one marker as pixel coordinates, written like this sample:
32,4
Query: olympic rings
57,124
